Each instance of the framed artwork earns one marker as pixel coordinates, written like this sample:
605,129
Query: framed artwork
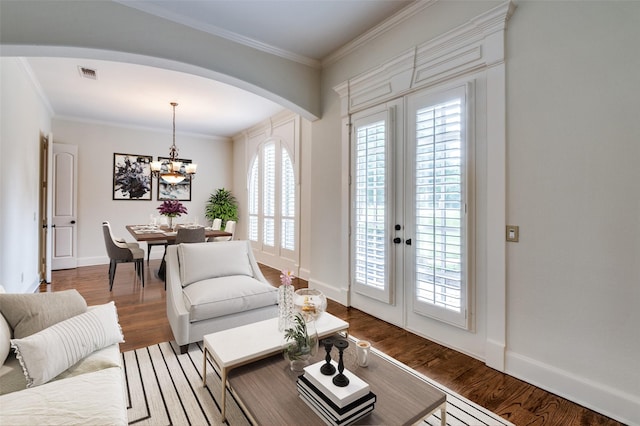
132,177
180,191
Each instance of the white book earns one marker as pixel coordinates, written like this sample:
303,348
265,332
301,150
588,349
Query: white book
341,396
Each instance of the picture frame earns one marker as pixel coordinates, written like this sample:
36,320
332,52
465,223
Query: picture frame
180,191
132,177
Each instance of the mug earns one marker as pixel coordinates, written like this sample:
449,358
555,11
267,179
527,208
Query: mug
362,351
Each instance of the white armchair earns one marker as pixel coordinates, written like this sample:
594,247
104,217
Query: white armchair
213,287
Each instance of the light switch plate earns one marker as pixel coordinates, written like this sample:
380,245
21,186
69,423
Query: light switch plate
513,233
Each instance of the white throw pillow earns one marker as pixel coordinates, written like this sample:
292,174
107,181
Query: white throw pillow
5,336
46,354
5,339
212,260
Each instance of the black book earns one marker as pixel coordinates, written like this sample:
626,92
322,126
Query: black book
338,412
315,406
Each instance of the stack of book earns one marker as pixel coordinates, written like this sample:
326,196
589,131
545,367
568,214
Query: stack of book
335,405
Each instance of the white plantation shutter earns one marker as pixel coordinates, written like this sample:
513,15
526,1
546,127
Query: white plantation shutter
370,228
288,210
440,207
269,194
254,197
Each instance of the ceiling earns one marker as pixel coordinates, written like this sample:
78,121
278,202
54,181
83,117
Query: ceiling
135,95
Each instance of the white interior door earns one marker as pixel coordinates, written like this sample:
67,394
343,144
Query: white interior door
64,218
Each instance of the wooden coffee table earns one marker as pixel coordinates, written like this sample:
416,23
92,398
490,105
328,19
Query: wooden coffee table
266,390
238,346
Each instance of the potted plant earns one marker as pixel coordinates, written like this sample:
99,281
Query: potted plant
222,205
301,343
171,209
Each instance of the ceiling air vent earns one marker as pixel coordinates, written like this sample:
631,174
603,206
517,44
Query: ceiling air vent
88,73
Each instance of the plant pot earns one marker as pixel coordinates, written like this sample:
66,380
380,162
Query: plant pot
300,343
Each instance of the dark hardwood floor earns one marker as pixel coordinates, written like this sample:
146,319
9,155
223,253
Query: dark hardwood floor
142,314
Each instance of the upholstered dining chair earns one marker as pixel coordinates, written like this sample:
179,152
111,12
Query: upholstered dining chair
184,236
122,252
215,225
229,227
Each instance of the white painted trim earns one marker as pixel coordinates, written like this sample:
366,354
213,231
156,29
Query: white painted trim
220,32
340,295
377,31
624,407
37,87
478,45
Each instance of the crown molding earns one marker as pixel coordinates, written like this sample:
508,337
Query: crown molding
388,24
220,32
74,119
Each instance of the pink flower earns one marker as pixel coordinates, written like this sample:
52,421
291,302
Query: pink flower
172,208
286,277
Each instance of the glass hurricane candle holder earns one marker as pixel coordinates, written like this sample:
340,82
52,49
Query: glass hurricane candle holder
309,302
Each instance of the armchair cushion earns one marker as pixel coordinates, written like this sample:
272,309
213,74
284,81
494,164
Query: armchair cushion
49,352
203,261
216,297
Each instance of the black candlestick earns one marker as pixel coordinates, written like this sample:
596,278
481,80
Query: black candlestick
340,379
328,369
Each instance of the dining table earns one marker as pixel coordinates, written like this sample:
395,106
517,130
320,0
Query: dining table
144,233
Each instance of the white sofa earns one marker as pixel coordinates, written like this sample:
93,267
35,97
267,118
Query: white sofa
215,286
88,392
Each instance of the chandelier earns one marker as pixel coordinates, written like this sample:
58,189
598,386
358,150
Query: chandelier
173,171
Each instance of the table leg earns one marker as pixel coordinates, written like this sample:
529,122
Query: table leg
443,414
223,379
204,368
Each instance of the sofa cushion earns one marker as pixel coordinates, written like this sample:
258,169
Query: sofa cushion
29,313
216,297
201,261
51,351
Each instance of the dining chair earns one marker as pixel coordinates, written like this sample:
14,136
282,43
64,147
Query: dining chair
122,252
229,227
215,225
190,235
183,236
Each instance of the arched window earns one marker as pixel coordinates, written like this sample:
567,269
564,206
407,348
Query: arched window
272,199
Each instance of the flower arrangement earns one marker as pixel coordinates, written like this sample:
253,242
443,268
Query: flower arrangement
286,277
172,208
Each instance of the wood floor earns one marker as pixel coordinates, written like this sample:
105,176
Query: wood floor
142,314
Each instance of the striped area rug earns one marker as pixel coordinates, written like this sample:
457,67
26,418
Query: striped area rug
165,388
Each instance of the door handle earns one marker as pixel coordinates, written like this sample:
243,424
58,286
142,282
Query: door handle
398,227
73,222
397,240
408,242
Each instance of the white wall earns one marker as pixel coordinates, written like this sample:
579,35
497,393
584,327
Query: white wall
573,280
96,145
574,189
23,118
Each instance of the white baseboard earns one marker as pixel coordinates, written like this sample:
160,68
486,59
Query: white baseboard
494,354
92,261
304,274
598,397
340,295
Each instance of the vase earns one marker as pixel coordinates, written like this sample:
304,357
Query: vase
311,303
300,344
285,306
170,222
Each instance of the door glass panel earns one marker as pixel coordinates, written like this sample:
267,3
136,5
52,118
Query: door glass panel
439,205
370,206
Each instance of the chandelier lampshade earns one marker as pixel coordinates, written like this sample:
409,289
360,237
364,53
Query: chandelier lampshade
172,171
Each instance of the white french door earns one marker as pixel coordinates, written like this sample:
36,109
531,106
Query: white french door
410,208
